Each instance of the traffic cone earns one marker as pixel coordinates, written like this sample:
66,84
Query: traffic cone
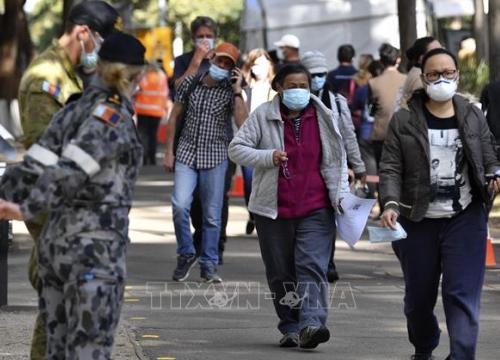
161,136
238,189
490,254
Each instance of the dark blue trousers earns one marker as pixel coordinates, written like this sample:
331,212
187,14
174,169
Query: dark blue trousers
296,254
455,249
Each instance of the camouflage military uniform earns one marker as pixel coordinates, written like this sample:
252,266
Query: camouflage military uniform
82,248
45,87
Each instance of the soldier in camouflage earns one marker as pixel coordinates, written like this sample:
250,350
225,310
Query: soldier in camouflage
49,81
85,176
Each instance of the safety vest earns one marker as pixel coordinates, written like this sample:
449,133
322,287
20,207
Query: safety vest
151,99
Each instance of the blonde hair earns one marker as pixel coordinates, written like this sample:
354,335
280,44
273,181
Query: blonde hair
363,75
118,76
250,60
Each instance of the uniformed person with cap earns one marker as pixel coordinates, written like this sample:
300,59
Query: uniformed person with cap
88,188
46,86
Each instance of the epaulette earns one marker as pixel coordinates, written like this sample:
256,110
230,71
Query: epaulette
51,89
107,114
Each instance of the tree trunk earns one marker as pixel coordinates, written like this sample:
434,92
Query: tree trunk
407,14
16,48
494,39
480,24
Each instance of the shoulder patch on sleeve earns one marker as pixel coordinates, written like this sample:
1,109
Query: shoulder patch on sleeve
51,89
107,114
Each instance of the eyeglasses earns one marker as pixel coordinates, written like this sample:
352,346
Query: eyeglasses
450,74
318,75
285,171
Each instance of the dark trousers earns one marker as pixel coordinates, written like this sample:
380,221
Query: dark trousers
295,253
247,183
197,216
454,248
147,126
377,152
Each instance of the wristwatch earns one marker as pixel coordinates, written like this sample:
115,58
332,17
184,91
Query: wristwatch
239,94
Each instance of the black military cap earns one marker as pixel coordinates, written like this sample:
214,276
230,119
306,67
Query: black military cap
122,48
97,15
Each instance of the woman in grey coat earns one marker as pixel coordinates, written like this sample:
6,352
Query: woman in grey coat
300,173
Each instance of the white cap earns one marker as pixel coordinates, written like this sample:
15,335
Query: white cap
288,40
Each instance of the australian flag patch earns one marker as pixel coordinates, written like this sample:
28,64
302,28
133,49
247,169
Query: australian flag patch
107,114
51,89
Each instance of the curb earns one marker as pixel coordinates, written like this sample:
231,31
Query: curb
131,334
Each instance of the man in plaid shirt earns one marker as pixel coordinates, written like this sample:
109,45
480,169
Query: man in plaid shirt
201,156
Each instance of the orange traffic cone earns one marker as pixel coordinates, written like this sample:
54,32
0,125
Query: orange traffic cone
490,254
237,190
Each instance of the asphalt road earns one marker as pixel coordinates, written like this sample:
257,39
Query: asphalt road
236,320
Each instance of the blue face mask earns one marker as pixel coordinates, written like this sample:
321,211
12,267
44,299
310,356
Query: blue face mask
318,82
217,73
296,99
89,59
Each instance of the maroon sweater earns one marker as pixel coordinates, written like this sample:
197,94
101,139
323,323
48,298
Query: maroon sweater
301,188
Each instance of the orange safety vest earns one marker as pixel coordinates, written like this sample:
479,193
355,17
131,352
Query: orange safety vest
151,99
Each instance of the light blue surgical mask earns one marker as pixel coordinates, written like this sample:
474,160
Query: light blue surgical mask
217,73
378,235
318,82
88,60
296,99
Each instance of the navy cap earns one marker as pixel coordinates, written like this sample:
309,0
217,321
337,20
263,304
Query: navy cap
122,48
97,15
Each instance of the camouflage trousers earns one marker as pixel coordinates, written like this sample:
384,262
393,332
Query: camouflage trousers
81,293
37,351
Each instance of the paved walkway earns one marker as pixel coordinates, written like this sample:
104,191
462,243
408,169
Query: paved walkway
166,320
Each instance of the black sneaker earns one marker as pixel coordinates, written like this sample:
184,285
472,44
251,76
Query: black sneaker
209,274
289,340
311,336
184,266
250,227
332,274
418,356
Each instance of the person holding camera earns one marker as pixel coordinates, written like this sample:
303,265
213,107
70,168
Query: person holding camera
204,104
437,175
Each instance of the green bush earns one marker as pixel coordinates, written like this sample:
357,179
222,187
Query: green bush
473,76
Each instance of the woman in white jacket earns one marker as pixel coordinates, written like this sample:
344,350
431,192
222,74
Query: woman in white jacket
300,172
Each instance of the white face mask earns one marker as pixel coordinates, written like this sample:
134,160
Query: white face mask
441,90
211,42
279,54
260,70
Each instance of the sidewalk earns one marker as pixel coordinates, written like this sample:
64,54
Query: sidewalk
366,318
17,319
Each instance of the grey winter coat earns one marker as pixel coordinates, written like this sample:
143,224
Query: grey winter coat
346,128
263,133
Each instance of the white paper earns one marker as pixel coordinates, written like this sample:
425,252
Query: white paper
352,222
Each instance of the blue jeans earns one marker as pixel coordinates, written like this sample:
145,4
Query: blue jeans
454,248
296,253
210,183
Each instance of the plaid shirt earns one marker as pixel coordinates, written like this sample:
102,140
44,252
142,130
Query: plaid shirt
204,138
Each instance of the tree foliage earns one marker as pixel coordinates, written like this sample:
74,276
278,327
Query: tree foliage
46,19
